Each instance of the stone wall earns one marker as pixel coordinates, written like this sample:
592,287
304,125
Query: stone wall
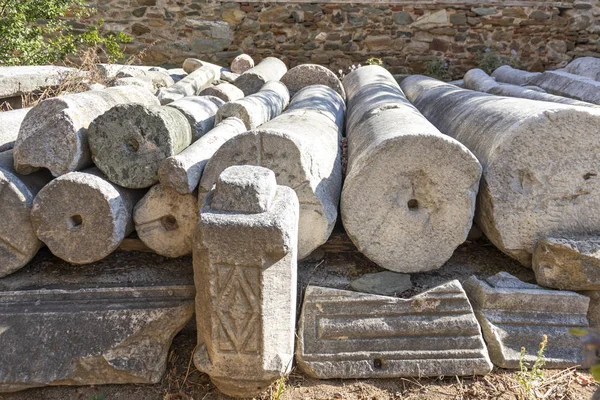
406,37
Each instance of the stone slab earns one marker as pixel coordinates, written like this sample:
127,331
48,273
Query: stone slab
18,80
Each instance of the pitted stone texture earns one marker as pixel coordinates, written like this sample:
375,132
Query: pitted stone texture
537,159
514,316
568,262
229,77
18,241
569,85
192,64
10,123
585,66
304,75
257,108
183,171
18,80
165,221
349,335
82,217
594,309
246,296
242,63
112,70
244,189
409,195
131,81
385,283
130,141
106,323
158,79
303,147
224,91
508,74
269,69
191,85
54,133
200,112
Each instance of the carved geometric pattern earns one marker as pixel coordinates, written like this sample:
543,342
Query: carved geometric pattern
238,309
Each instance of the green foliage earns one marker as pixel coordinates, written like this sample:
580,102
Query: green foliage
374,61
439,69
531,378
36,32
280,388
491,58
591,340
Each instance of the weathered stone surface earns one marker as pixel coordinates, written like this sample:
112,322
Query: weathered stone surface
18,241
191,85
345,334
165,221
200,112
594,309
53,134
112,70
385,283
10,123
585,66
269,69
536,161
409,194
130,141
304,75
82,217
192,64
568,262
514,314
229,77
246,298
476,79
303,147
105,323
242,63
508,74
159,79
183,171
224,91
569,85
257,108
19,80
135,81
177,74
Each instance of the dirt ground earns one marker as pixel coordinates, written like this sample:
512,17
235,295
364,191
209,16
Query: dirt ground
336,266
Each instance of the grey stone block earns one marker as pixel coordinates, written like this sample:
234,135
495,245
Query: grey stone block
200,112
269,69
515,314
585,66
242,63
191,85
245,269
305,75
352,335
224,91
569,85
10,123
18,80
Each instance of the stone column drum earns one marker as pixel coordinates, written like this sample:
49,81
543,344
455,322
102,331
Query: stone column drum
245,275
10,123
508,74
409,195
303,147
269,69
191,85
540,161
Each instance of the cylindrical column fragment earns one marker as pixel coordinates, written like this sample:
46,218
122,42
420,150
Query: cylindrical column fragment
269,69
10,123
200,112
165,221
258,108
53,134
303,147
82,217
242,63
304,75
224,91
409,195
191,85
540,161
508,74
570,85
183,171
129,142
585,66
18,241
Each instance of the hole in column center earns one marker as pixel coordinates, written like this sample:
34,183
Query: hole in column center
413,204
132,145
169,222
74,221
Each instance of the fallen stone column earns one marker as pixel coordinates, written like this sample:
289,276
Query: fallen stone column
351,335
192,64
409,195
242,63
130,141
269,69
200,112
10,123
53,134
514,314
18,80
538,158
191,85
508,74
18,241
303,147
107,323
224,91
304,75
569,85
585,66
109,71
257,108
183,171
165,221
245,251
478,80
129,81
158,79
82,217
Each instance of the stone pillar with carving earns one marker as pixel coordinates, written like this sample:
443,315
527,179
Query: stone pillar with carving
245,272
